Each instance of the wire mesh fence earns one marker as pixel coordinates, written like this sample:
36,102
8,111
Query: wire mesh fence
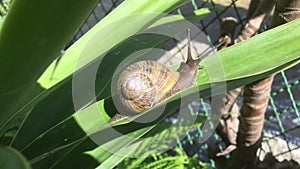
281,135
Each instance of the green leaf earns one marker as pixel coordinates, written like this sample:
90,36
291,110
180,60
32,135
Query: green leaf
52,131
115,159
260,54
12,159
33,102
52,115
31,37
66,64
65,97
168,20
155,141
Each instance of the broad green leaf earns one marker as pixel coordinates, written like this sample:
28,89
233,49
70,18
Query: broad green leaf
54,116
66,87
160,137
196,15
31,37
79,159
255,66
35,143
12,159
125,145
57,109
114,159
113,151
262,53
66,64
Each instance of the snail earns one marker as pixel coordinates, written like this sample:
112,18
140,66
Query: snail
145,83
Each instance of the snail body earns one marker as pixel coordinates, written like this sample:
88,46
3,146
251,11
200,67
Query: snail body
145,83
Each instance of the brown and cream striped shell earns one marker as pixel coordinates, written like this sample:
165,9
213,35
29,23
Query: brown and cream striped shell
143,84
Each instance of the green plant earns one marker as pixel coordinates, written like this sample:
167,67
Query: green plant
152,153
39,120
178,160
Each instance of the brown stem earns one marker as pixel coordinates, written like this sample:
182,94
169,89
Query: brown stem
257,12
286,11
256,97
255,19
228,126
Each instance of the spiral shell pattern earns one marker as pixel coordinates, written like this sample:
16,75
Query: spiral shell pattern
143,84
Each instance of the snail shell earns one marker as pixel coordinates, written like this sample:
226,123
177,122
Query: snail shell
143,84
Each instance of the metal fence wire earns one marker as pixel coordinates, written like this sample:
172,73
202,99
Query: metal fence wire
281,136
